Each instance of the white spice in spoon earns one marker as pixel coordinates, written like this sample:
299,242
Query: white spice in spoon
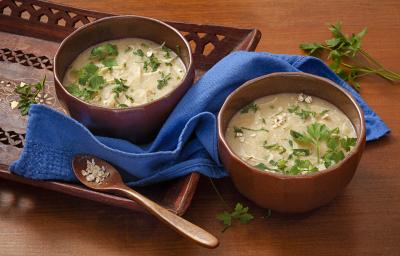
95,173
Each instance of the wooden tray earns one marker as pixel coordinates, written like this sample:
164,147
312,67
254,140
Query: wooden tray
30,32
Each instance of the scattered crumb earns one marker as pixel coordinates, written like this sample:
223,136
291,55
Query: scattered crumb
95,173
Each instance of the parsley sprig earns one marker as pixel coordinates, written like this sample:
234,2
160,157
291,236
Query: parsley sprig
88,84
342,52
28,94
240,212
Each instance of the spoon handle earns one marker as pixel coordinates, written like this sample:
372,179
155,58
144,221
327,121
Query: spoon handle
176,222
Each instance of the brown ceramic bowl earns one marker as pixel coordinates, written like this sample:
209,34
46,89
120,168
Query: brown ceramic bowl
138,124
290,194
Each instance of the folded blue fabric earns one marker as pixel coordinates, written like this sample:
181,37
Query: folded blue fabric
186,143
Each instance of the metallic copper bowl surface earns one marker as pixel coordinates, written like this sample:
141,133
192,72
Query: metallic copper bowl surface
139,124
283,193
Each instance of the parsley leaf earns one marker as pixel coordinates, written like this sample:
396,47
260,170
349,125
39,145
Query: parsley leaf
347,143
86,72
302,113
27,95
161,83
261,166
139,52
100,52
301,166
167,51
151,62
109,62
301,152
276,147
121,86
251,107
240,213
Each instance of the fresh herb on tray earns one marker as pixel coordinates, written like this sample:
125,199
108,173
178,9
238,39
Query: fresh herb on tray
240,212
343,51
28,95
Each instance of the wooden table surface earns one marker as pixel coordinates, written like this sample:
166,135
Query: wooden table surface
363,220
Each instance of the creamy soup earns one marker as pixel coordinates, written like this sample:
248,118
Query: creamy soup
124,73
291,134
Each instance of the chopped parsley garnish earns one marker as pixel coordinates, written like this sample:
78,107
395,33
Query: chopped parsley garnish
302,113
139,52
109,62
251,107
166,50
89,82
302,166
301,152
161,83
275,147
129,98
122,105
151,62
121,86
254,130
103,51
86,72
261,166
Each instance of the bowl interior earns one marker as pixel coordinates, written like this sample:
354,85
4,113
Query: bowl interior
291,83
118,27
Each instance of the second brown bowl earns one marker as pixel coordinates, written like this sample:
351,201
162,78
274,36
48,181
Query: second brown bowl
139,124
284,193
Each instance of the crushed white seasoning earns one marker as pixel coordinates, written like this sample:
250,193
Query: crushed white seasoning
304,98
279,120
13,104
95,173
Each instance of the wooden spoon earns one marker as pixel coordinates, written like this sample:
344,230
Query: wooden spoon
113,183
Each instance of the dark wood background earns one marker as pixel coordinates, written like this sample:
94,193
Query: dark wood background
363,220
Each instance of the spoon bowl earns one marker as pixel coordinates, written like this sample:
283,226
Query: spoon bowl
113,183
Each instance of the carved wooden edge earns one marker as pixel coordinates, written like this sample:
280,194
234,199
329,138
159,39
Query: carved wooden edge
178,198
185,194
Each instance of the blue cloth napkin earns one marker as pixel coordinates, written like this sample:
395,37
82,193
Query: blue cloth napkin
187,141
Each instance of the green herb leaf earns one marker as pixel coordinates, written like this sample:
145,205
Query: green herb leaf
240,213
27,95
167,51
139,52
261,166
276,147
251,107
302,113
121,86
347,143
151,62
109,62
342,47
301,152
102,51
161,83
86,72
301,166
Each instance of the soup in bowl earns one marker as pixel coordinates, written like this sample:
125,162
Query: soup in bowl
290,141
121,76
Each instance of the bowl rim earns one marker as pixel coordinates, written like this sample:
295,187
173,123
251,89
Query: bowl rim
189,70
255,171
